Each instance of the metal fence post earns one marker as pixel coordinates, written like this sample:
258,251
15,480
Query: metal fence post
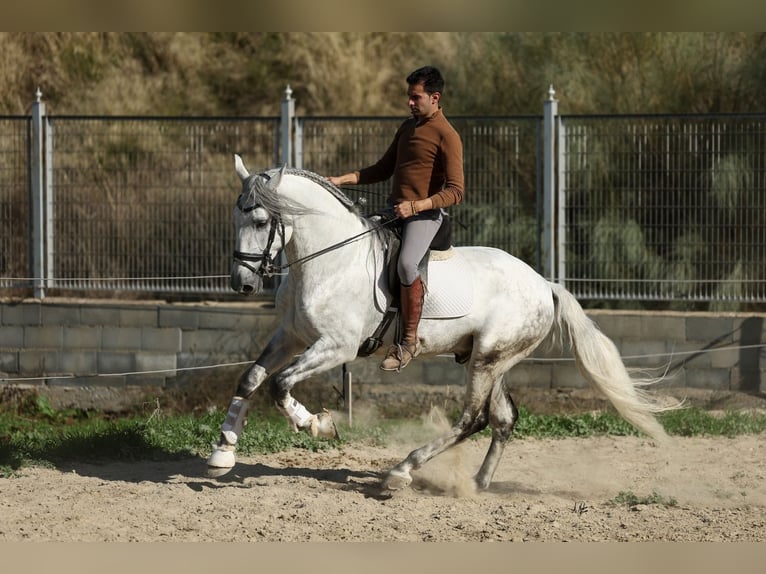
288,113
298,144
561,201
41,200
550,114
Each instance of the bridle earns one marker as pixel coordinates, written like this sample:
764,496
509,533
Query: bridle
267,267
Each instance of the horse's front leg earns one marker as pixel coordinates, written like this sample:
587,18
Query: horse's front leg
323,355
278,352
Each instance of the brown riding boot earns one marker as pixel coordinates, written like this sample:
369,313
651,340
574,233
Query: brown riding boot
400,355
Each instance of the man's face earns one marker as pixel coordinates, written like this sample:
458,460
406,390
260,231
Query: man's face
422,105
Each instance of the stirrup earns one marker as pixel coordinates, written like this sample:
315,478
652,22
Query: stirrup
399,356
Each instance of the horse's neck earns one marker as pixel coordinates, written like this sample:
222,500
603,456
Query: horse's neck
327,223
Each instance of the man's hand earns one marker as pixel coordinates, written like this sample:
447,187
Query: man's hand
345,179
406,209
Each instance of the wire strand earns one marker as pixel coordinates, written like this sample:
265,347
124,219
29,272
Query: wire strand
240,363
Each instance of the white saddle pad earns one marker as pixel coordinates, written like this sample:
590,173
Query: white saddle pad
449,292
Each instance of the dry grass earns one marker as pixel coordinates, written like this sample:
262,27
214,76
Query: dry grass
340,73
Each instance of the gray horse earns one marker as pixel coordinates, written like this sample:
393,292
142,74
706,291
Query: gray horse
335,296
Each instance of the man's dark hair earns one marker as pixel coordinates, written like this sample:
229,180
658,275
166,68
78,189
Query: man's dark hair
430,77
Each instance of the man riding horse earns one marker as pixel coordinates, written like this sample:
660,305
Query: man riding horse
426,161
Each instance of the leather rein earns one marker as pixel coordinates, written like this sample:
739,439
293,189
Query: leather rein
268,268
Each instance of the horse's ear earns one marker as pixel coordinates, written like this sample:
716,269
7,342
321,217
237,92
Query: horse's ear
273,183
240,167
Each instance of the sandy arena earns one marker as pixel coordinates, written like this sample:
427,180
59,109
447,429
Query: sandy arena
544,490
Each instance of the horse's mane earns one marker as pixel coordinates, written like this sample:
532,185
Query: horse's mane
256,192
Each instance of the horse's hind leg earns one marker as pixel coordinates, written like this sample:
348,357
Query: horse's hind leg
474,419
470,422
502,418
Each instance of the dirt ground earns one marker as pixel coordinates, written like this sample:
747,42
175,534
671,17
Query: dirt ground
707,489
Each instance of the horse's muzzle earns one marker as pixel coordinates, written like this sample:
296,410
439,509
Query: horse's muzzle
245,282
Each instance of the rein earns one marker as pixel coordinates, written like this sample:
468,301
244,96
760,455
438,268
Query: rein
268,267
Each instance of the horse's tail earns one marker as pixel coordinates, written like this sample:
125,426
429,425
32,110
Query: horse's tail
600,363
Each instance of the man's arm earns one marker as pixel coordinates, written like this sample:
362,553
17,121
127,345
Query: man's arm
453,190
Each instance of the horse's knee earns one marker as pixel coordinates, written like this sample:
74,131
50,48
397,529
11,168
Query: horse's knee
250,380
277,391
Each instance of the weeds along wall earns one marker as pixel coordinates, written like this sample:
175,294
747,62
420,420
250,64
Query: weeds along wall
108,349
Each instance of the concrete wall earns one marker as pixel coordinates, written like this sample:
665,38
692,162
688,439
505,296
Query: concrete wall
101,343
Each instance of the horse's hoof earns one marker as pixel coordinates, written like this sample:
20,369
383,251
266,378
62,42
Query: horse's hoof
396,480
221,460
217,471
323,425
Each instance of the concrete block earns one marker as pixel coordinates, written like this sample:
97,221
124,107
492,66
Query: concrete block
58,314
125,338
441,371
22,314
231,344
614,325
237,319
111,362
647,353
9,362
725,358
182,317
138,317
146,362
669,327
161,339
567,376
99,315
78,363
82,337
530,375
185,360
716,379
710,328
692,354
38,362
11,337
46,337
673,379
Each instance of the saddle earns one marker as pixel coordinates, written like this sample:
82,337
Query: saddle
442,242
439,249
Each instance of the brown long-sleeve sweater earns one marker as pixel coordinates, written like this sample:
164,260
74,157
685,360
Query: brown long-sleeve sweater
426,160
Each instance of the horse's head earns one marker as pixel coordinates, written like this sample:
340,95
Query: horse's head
261,234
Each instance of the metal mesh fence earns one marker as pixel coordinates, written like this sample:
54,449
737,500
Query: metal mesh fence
14,200
665,207
145,203
652,208
502,178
